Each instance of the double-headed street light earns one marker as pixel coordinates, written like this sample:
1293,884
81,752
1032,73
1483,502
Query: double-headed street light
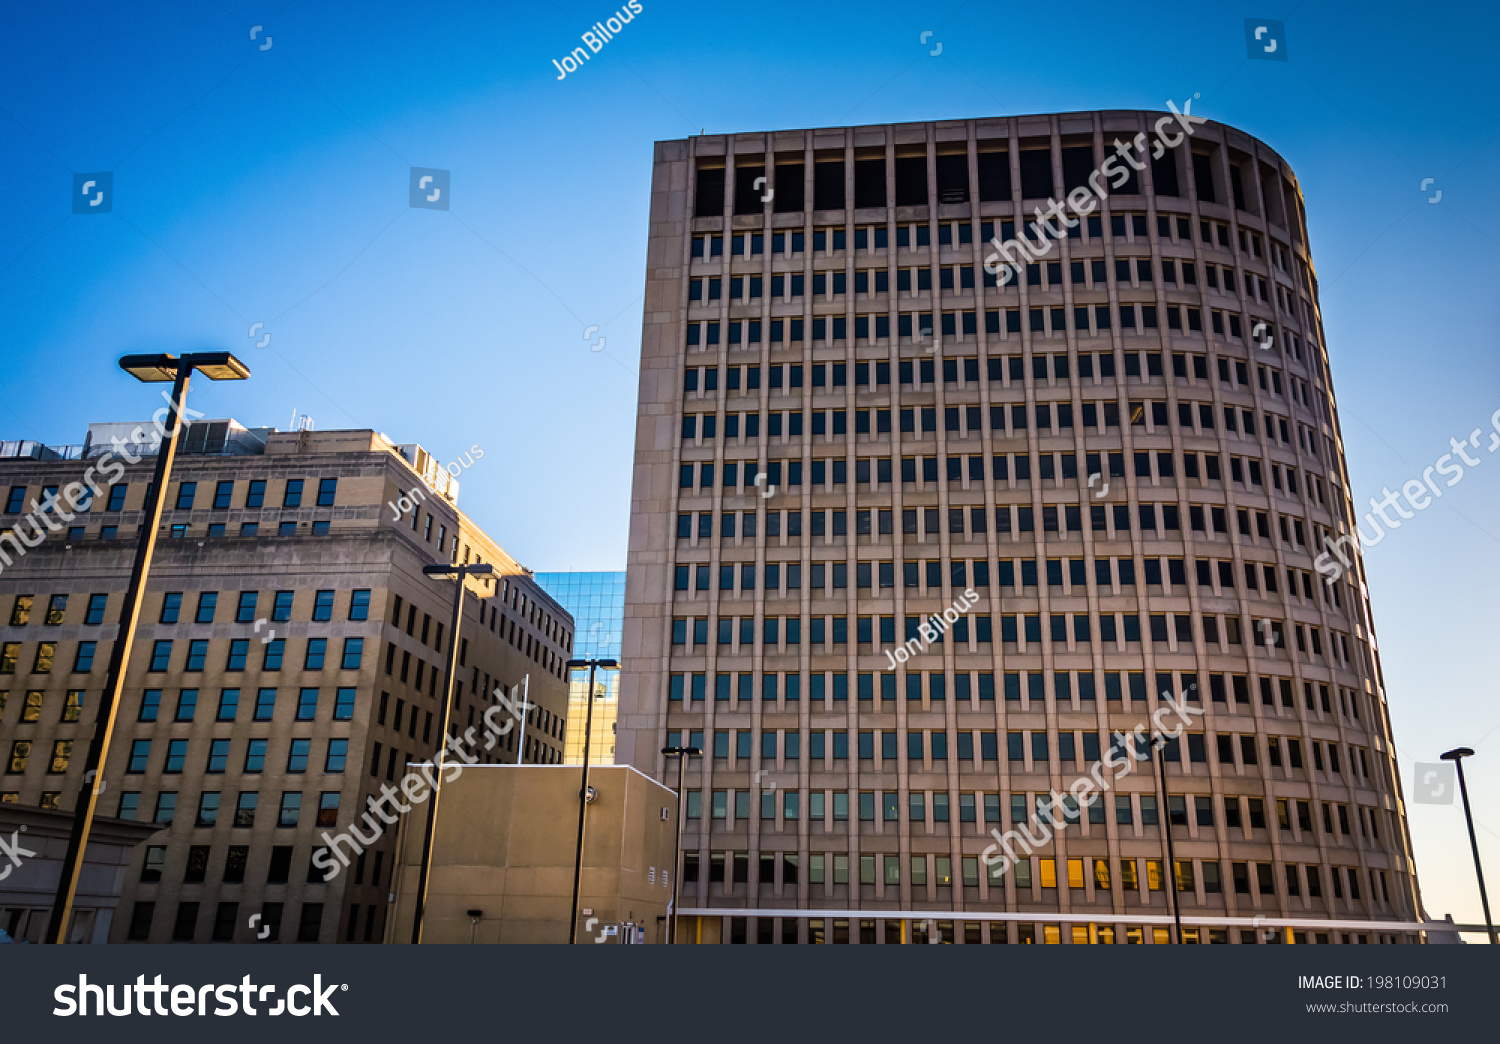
583,786
681,754
149,369
1457,756
460,573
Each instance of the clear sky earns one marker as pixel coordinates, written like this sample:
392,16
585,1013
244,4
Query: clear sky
270,186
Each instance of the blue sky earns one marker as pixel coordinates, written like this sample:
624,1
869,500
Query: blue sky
270,186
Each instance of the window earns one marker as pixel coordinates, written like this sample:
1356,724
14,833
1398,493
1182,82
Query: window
229,704
186,491
291,808
281,606
83,658
94,614
338,753
311,922
176,756
245,611
353,653
317,648
244,812
150,705
222,493
326,490
323,606
307,705
171,604
187,704
292,497
296,758
56,606
343,704
151,868
208,601
208,813
359,605
265,704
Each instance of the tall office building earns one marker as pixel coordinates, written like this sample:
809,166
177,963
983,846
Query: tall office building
597,604
1115,470
288,665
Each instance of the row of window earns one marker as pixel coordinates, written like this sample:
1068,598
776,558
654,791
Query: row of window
926,746
1038,811
1126,226
227,918
1110,574
280,609
185,707
964,372
292,493
315,656
1084,274
1118,686
1139,875
974,933
917,326
214,530
216,761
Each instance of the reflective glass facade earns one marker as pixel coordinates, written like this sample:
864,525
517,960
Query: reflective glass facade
597,602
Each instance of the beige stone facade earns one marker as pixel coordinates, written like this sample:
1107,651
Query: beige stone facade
1129,456
287,665
505,845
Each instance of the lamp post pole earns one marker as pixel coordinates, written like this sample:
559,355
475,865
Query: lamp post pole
682,754
583,787
149,369
460,573
1457,757
1158,762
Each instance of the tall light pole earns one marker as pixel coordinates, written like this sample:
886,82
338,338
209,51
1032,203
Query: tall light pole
1158,761
681,754
1457,756
460,573
149,369
583,786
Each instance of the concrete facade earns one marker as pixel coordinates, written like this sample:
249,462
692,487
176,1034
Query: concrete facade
505,844
1130,455
288,662
28,887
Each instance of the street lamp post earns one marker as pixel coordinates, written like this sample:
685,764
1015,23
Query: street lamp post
681,754
1457,756
149,369
583,786
460,573
1158,762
